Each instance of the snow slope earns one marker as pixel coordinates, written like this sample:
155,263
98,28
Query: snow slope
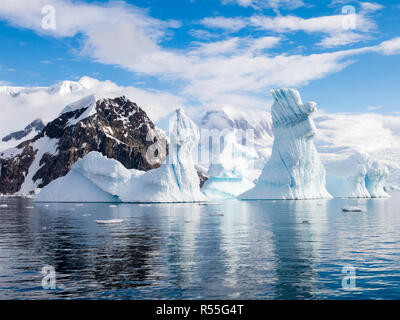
294,170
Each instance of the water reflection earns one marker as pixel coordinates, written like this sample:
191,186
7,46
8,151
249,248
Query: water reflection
235,250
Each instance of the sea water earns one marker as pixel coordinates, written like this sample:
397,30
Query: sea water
222,250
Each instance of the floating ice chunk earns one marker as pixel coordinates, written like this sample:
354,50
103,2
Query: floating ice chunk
294,170
3,206
352,209
111,221
358,176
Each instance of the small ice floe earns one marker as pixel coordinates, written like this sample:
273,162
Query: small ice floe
112,206
79,205
45,205
3,205
30,207
86,215
217,215
306,221
111,221
352,209
44,228
144,205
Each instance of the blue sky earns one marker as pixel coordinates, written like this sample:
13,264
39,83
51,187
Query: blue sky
212,51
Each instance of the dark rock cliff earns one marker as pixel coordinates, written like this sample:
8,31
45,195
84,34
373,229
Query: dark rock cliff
117,128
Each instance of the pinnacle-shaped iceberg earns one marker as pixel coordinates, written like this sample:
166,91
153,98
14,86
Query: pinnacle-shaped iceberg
176,180
96,178
294,170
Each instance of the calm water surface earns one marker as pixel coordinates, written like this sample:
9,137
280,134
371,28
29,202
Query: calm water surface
227,250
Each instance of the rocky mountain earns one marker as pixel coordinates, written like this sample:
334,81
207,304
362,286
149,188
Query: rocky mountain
117,128
33,128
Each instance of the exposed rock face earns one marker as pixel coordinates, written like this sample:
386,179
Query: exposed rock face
37,125
117,128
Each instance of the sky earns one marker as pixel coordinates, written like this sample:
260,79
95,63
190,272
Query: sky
345,55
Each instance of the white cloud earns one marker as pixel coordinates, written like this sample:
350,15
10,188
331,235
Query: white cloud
374,108
234,45
273,4
390,47
239,70
341,39
229,24
325,24
371,6
337,30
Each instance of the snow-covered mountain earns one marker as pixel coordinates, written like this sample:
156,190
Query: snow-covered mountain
62,88
28,132
20,106
117,128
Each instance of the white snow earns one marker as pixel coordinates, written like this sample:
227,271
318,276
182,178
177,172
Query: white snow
96,178
294,170
41,147
88,103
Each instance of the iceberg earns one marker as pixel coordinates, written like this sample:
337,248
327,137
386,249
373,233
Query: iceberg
229,173
177,179
358,176
96,178
294,170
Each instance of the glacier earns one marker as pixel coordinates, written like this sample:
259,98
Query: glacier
294,170
231,172
358,176
96,178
